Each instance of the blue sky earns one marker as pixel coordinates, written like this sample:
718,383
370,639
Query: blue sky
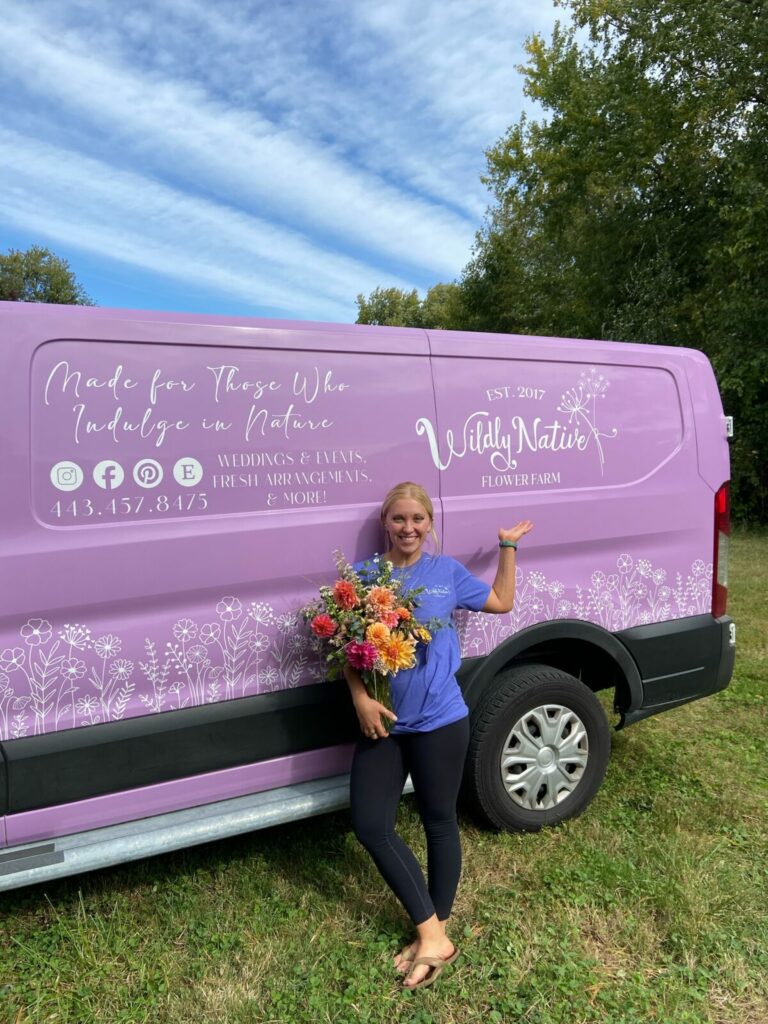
258,158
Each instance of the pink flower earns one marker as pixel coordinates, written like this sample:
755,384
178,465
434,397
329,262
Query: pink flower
344,594
390,619
361,656
323,625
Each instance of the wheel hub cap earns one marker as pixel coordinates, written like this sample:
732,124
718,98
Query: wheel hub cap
544,757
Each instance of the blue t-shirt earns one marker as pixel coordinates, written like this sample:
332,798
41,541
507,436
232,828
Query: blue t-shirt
428,696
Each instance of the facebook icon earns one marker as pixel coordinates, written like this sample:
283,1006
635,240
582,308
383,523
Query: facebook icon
108,475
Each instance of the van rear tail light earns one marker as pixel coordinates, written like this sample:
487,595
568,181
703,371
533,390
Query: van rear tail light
720,561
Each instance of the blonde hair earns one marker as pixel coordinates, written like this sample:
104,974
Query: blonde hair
407,489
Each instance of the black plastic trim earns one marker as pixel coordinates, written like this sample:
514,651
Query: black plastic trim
76,764
665,664
3,783
680,661
476,672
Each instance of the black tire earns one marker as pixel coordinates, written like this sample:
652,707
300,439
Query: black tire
562,776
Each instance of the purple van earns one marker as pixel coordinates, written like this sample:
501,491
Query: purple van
173,487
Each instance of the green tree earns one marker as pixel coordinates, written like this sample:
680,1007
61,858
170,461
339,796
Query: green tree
440,308
443,307
37,275
636,208
391,306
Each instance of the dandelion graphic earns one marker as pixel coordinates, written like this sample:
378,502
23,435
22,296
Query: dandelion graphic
261,613
580,402
77,637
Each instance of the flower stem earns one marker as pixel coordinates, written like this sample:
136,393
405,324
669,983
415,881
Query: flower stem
379,688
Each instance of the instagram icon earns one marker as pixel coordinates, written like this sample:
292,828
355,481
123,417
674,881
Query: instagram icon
66,476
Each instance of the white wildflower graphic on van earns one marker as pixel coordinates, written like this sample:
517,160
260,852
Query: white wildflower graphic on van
635,594
77,637
107,647
63,677
185,629
580,402
261,613
229,608
73,668
210,632
36,631
121,669
11,658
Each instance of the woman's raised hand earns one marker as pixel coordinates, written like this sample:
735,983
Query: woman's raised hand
516,532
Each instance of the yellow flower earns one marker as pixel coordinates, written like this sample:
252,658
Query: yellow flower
377,634
398,652
423,634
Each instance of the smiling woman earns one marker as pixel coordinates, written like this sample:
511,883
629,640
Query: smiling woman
429,737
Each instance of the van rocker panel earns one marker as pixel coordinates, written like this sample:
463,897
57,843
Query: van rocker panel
75,764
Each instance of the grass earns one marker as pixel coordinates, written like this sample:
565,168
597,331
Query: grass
649,909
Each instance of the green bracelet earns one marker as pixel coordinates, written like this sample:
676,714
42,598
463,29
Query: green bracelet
508,544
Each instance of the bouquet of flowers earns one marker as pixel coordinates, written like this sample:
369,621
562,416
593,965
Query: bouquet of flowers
367,622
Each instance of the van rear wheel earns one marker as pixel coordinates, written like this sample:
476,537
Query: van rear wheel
538,749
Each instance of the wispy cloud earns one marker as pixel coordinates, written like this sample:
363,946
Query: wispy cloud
325,147
131,218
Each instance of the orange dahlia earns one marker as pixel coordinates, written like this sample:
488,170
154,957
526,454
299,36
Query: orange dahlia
380,599
398,652
403,614
377,634
344,594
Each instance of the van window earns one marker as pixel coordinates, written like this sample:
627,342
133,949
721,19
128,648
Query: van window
528,425
141,432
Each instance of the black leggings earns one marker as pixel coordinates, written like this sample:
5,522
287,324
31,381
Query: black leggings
435,762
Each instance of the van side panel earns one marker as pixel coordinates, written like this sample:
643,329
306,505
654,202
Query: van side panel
596,443
188,486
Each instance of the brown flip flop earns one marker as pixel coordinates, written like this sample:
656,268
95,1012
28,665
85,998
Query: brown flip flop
406,957
436,963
